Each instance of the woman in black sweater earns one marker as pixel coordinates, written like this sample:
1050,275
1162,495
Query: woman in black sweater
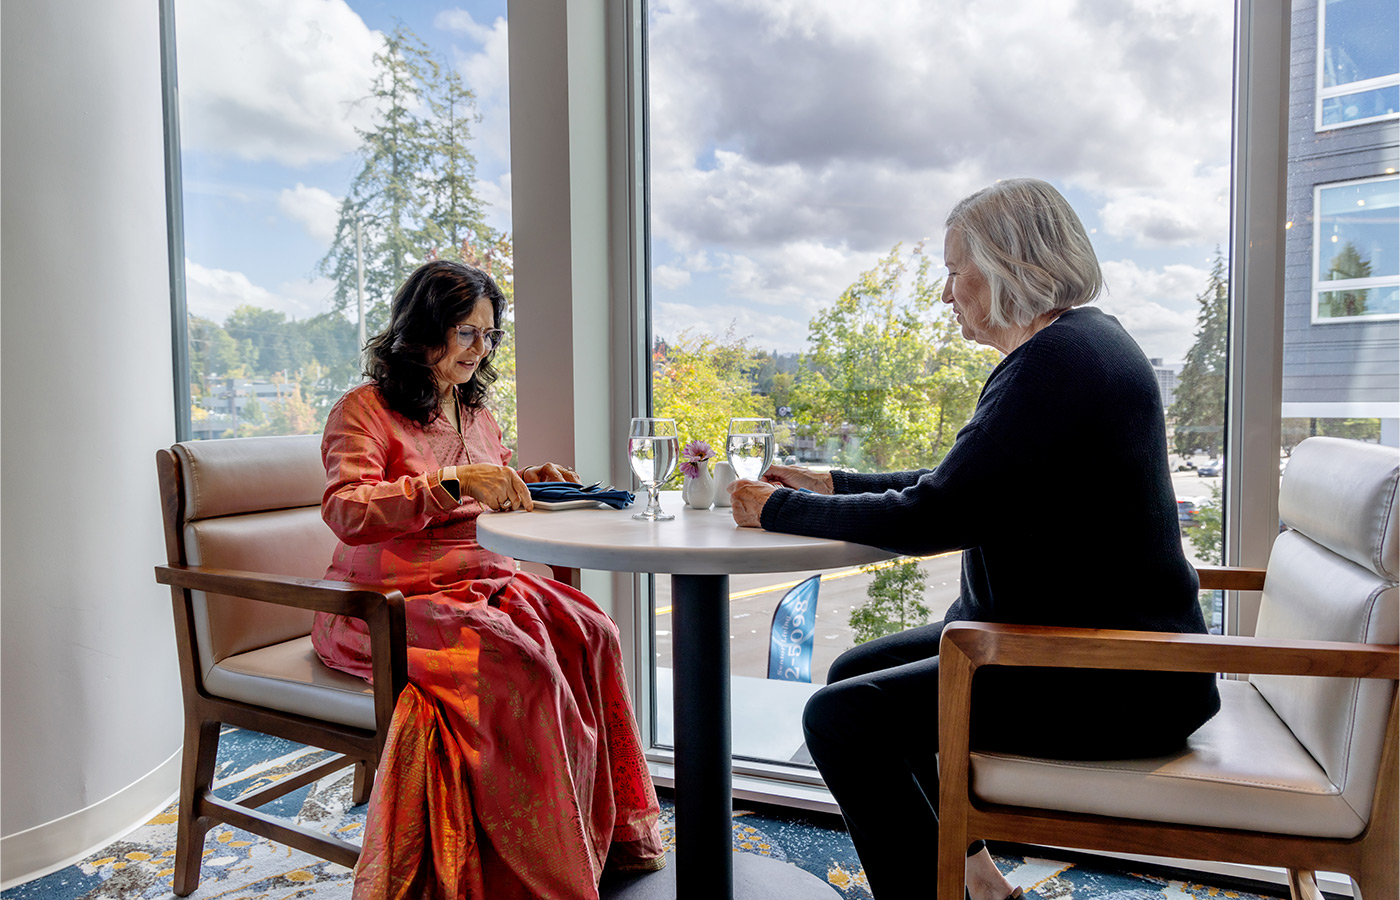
1040,547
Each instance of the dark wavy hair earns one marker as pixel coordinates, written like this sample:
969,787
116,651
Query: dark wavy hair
437,296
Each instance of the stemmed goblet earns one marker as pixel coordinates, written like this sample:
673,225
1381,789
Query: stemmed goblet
653,449
750,447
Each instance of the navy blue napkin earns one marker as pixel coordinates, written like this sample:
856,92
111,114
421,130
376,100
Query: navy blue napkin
560,491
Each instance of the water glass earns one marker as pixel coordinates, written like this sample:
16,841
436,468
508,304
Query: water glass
750,447
653,449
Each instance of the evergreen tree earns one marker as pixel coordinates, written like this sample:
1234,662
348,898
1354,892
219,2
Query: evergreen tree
1199,407
386,196
1347,263
454,222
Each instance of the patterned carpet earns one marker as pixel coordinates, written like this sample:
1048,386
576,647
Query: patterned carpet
241,866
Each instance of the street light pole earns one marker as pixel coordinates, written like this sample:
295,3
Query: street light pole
360,281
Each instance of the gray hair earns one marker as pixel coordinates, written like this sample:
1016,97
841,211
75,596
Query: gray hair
1031,248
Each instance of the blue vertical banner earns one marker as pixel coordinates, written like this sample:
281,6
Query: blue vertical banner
794,627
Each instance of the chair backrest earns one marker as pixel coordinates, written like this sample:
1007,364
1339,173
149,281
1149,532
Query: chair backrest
1332,577
252,504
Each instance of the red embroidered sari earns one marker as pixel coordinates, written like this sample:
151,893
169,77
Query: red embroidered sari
514,761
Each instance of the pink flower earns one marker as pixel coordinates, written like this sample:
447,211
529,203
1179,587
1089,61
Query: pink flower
693,456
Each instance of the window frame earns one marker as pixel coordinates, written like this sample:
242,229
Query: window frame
1324,93
1320,287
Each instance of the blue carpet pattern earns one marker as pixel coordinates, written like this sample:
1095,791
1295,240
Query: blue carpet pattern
241,866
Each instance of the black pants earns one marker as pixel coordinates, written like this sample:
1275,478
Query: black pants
873,733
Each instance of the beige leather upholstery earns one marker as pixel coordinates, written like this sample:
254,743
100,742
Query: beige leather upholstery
1288,755
255,505
1243,769
1342,495
290,676
1332,577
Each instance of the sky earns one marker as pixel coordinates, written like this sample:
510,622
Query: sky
792,142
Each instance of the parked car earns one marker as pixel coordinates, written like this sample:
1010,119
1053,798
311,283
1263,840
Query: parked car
1188,512
1209,470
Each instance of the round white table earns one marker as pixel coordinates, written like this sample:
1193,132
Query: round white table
700,549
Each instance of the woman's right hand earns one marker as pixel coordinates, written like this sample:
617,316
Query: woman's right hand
798,478
495,487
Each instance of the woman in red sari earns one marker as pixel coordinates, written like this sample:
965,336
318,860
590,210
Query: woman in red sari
514,767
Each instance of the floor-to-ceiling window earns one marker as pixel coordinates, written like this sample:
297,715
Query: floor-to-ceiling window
326,149
802,160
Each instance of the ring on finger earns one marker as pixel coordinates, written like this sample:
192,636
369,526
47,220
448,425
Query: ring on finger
505,505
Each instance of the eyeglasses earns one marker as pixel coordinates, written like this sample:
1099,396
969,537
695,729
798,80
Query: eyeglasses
467,335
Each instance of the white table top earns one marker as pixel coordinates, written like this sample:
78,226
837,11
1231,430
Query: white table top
695,542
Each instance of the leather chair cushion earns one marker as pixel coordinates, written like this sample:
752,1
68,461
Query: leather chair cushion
225,478
291,677
1342,494
293,542
1312,593
1242,769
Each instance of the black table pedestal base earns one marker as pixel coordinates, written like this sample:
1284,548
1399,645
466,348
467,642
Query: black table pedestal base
754,877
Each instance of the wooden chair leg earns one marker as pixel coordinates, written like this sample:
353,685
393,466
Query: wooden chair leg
364,781
1379,877
196,777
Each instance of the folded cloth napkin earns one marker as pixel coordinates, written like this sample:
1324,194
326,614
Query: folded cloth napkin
559,491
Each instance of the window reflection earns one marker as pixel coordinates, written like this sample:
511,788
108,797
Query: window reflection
1357,249
1358,62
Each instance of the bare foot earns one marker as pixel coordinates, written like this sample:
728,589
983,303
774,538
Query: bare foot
985,881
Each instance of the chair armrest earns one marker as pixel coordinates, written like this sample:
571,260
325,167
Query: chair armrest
1230,578
984,643
381,610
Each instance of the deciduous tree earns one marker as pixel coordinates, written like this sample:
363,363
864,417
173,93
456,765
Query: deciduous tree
702,382
895,600
888,368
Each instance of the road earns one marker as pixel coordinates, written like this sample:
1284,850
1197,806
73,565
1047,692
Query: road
753,598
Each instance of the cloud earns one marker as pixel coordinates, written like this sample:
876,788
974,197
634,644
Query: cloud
769,294
1157,306
765,331
496,198
317,210
1197,211
215,293
821,122
486,72
303,67
668,278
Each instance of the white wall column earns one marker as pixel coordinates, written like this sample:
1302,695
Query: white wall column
90,688
576,204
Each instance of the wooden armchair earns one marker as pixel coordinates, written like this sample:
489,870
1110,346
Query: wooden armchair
246,547
1299,768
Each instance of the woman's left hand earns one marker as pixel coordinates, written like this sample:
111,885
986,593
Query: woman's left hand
746,499
549,472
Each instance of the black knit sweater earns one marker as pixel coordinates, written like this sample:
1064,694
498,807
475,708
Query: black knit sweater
1059,495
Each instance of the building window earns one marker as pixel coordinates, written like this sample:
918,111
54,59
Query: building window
1356,241
1358,62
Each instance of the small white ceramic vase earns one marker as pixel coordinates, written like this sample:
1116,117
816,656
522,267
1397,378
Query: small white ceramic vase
699,492
724,477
